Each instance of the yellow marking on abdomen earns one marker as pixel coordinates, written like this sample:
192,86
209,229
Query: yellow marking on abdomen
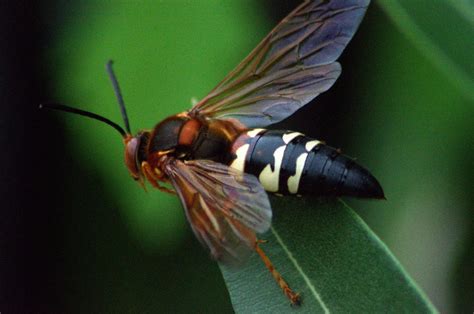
269,178
311,144
254,132
288,137
239,161
294,180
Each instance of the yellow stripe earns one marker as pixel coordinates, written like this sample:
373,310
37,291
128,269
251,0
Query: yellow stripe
239,161
294,180
269,178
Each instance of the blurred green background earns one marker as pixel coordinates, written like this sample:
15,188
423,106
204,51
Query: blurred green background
404,106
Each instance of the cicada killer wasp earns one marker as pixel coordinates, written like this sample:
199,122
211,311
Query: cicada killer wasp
219,159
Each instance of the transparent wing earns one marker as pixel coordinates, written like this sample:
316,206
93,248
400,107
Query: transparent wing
224,207
291,66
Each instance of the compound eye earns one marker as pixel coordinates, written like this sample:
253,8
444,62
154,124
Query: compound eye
131,148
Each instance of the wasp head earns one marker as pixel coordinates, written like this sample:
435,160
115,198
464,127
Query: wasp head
136,153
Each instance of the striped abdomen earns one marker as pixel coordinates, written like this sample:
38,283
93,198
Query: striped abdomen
288,162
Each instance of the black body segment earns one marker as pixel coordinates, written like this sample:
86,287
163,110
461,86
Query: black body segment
330,173
266,149
209,145
165,135
288,162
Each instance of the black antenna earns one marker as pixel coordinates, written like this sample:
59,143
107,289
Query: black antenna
118,94
86,114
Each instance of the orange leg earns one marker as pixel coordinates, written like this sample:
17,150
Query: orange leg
294,297
153,179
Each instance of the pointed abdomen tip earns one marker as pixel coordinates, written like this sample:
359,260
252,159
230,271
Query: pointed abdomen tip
361,183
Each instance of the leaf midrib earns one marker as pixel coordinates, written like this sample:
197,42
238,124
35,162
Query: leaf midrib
295,263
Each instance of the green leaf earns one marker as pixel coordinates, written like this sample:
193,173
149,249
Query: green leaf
444,44
331,257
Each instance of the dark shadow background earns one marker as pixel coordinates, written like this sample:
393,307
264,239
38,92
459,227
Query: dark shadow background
74,259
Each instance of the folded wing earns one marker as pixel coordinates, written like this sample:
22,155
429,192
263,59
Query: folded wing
225,207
